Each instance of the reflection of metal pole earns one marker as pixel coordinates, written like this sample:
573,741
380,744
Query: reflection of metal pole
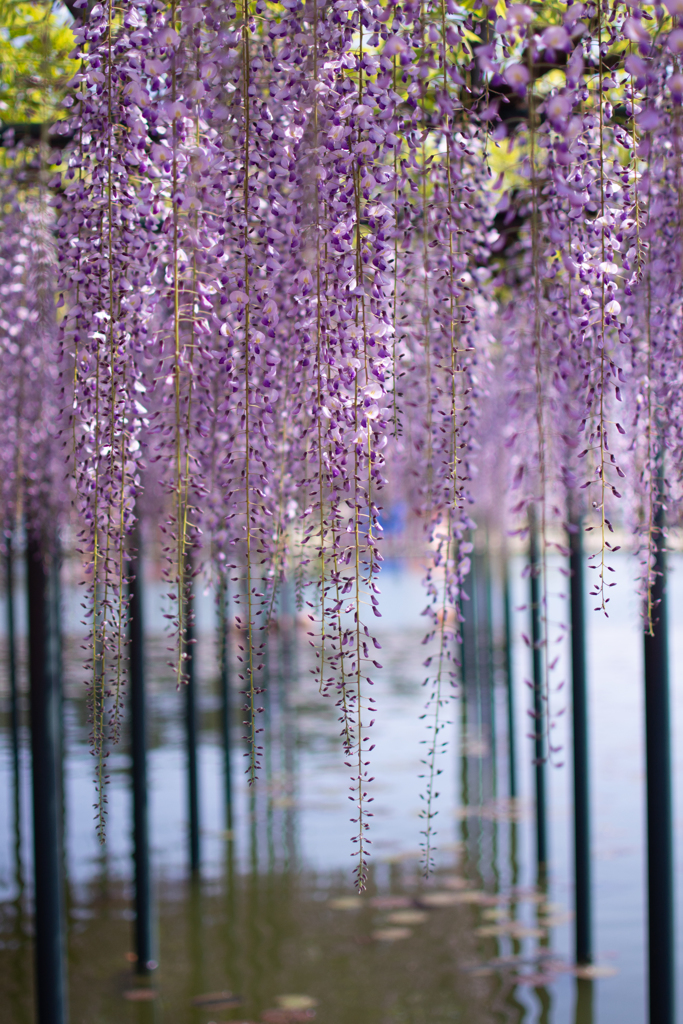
226,716
12,658
539,714
490,672
582,845
50,951
584,1001
191,728
512,757
659,826
138,712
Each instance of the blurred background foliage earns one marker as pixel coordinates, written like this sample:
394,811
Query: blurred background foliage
35,42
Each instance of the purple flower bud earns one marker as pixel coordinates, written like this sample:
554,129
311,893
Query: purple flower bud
520,14
675,40
517,77
635,31
556,37
675,86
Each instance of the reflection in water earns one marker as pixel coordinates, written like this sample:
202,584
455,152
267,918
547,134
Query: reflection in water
18,927
584,1001
260,922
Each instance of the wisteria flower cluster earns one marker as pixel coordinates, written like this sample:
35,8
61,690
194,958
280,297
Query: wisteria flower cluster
316,258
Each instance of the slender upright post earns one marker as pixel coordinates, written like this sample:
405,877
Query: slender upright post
512,756
582,842
191,733
539,712
226,716
12,657
138,713
659,823
50,946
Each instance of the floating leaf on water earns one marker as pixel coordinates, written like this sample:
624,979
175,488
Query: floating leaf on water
390,902
450,899
217,1000
527,897
408,917
514,928
140,995
493,913
296,1002
391,934
481,972
282,1016
346,903
590,971
455,882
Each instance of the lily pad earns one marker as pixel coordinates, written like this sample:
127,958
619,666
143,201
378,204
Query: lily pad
450,899
455,882
590,971
407,917
217,1000
346,903
391,934
390,902
140,995
296,1002
284,1016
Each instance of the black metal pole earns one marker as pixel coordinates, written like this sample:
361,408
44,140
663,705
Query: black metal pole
50,945
191,732
582,832
659,823
138,713
512,755
226,716
539,711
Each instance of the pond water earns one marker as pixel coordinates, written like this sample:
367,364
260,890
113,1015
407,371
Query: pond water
273,919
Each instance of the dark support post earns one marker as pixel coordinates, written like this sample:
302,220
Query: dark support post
50,945
539,711
138,713
12,658
224,627
512,756
659,824
191,731
582,841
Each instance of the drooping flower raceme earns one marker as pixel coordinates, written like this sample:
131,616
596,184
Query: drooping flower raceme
308,254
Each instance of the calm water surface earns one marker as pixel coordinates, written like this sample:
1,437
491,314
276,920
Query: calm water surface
273,916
